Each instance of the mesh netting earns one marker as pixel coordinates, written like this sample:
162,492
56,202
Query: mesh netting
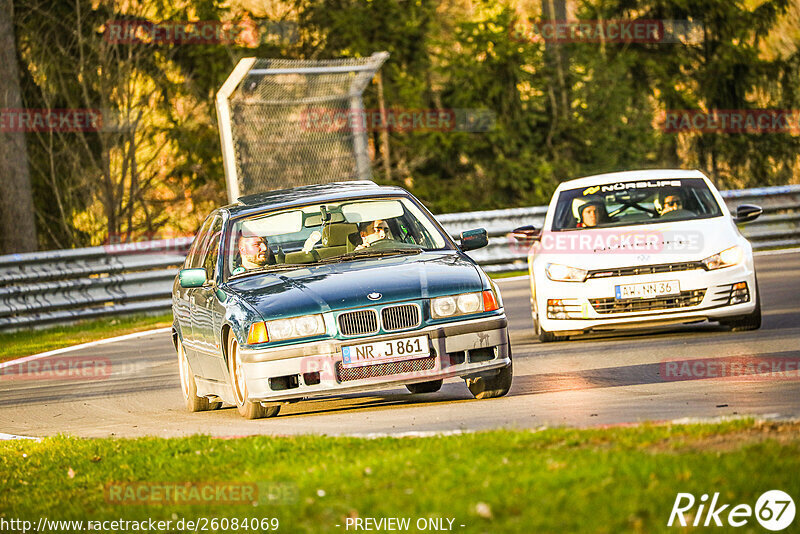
291,123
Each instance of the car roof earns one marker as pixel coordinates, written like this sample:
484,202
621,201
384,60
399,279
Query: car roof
627,176
309,194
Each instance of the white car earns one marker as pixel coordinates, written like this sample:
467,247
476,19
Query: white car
640,249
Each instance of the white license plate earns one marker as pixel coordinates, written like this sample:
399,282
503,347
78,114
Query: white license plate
647,290
408,348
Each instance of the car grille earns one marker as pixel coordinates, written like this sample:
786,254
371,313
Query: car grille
645,269
683,300
400,317
360,322
345,374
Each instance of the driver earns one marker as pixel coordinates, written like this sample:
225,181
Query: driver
371,232
592,213
668,200
254,253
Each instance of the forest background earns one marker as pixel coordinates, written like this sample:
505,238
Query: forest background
560,109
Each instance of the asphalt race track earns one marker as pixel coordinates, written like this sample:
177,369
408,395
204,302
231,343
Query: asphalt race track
597,380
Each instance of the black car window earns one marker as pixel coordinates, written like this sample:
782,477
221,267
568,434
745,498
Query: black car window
212,248
635,202
194,255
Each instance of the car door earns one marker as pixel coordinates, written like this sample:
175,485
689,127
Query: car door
183,300
207,308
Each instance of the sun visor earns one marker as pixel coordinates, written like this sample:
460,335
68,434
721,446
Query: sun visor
358,212
283,223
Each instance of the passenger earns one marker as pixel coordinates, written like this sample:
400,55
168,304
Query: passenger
371,232
668,200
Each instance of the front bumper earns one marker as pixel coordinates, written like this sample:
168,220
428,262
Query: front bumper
314,369
704,298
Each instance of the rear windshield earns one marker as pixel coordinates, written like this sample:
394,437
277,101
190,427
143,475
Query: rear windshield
635,202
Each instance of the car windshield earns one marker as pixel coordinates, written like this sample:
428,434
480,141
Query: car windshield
330,232
634,202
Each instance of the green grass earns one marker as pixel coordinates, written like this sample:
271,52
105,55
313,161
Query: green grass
508,274
25,343
554,480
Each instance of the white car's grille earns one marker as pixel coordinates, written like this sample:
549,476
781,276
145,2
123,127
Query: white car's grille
400,317
684,300
357,323
645,269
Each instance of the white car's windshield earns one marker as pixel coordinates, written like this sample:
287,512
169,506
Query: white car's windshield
634,202
330,232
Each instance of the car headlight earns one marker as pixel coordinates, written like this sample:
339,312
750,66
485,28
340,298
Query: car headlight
282,329
564,273
463,304
726,258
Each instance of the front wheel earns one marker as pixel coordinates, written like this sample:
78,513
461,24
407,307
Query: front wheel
247,409
543,335
483,387
751,321
192,402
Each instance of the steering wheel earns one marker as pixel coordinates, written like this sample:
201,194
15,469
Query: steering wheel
636,205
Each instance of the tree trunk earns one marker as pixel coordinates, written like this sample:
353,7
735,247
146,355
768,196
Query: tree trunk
17,221
556,55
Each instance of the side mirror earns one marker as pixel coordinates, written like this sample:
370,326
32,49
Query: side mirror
746,213
527,234
472,239
192,277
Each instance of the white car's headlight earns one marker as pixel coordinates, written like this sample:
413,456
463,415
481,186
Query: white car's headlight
283,329
463,304
726,258
564,273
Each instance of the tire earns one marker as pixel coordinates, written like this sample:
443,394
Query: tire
425,387
751,321
483,387
543,335
247,409
192,402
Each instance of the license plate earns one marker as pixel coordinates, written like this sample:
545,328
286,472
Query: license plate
647,290
394,350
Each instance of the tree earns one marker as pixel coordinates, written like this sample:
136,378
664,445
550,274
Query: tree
17,226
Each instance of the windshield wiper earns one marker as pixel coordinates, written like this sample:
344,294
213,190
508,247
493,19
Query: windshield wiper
267,269
366,253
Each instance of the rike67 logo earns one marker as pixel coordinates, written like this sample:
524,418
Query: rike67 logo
774,510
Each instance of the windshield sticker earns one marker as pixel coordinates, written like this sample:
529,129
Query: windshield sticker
623,186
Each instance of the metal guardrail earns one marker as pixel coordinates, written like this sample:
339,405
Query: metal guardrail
58,287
